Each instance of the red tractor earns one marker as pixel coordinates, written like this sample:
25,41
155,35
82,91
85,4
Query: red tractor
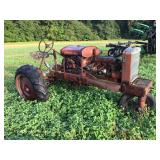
84,65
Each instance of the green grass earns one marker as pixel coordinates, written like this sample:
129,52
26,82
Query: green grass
71,112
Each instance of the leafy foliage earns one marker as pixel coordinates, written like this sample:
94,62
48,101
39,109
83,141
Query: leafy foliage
22,31
72,112
65,30
70,30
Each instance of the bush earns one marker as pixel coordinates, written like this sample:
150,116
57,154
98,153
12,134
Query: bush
62,30
70,30
21,31
107,29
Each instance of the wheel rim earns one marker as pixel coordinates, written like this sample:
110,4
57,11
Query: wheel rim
25,87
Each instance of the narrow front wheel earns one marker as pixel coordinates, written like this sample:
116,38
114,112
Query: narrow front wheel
132,101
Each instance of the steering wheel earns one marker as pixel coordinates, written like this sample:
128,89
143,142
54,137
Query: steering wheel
45,46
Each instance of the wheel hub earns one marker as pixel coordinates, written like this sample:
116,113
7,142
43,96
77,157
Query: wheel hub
25,87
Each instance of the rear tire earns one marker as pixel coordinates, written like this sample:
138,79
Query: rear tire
29,83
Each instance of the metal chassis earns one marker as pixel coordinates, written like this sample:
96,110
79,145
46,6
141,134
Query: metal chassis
139,87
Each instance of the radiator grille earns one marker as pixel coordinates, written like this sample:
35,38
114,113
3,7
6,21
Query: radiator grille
130,66
134,65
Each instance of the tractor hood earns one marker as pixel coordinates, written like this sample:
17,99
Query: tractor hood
84,51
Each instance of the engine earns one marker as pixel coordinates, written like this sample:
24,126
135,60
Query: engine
107,67
72,64
78,58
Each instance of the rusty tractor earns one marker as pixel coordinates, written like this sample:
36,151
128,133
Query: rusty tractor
84,65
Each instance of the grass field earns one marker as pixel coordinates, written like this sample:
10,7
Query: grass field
70,112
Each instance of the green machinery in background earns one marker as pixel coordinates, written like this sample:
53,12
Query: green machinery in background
147,34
